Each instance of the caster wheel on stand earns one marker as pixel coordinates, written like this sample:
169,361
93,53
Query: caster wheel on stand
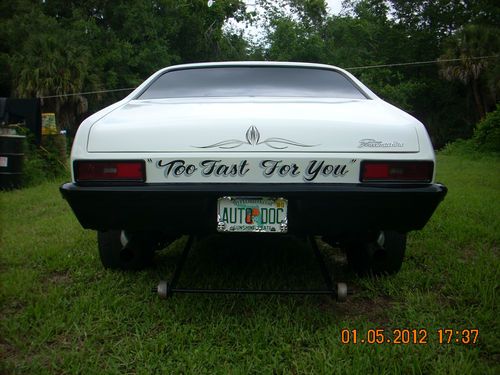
341,292
163,289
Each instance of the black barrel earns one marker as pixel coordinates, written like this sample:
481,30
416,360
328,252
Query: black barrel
11,161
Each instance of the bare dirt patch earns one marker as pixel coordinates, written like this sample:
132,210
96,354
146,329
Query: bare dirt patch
7,350
372,309
59,278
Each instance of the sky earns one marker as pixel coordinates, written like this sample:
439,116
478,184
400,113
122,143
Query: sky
334,5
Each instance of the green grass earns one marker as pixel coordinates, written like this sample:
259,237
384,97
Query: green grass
62,313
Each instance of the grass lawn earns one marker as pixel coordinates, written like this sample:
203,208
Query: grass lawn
62,313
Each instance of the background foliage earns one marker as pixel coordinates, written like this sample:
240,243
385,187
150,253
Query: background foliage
54,47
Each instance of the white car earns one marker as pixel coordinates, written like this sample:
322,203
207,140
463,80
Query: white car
262,147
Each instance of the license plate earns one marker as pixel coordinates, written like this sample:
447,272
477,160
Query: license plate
252,214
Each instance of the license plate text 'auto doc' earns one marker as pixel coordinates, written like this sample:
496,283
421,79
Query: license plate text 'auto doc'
252,214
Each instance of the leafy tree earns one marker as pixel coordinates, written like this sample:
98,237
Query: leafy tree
487,132
291,41
426,30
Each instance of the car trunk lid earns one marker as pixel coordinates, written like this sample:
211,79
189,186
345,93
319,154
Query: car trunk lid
255,125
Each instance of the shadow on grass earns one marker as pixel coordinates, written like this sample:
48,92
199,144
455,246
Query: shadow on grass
239,262
243,261
263,263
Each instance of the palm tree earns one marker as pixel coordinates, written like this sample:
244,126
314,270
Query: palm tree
470,45
47,67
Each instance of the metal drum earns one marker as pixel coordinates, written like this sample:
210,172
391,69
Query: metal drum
11,161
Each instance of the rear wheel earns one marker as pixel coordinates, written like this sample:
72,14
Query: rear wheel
381,254
124,251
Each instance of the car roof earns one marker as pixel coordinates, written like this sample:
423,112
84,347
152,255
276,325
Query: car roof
252,63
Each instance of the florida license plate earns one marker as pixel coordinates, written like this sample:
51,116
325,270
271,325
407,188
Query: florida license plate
252,214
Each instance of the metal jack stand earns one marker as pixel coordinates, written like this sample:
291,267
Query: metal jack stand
167,289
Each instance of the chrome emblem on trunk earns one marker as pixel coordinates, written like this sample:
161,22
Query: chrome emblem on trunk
372,143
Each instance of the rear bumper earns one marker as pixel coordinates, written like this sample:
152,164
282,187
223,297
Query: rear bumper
312,208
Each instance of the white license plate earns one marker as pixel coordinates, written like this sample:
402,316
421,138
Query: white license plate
252,214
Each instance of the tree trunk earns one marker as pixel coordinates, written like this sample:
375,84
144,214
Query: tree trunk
478,99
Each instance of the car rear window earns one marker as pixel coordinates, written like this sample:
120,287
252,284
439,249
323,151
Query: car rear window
252,81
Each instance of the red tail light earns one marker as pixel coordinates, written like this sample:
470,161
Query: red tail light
110,171
397,171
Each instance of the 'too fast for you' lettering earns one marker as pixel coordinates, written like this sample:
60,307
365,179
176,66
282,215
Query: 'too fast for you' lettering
314,170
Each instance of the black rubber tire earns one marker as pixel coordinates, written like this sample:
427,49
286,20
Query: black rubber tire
368,257
137,255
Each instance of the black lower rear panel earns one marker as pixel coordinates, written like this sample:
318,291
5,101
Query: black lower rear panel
313,208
